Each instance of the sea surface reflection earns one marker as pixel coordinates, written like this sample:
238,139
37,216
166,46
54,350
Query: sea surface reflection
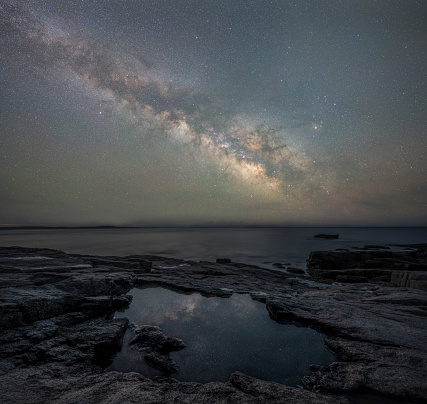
222,336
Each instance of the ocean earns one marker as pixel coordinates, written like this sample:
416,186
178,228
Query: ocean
258,246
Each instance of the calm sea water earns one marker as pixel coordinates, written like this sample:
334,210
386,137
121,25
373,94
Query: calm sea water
259,246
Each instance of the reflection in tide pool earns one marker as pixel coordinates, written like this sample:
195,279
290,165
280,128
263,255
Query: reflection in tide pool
222,336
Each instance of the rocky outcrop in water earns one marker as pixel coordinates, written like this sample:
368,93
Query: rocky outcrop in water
57,332
157,346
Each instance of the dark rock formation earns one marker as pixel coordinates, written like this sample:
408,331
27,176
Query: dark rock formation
157,346
351,278
151,338
275,392
58,384
409,279
326,236
223,260
375,247
57,333
398,268
297,271
380,372
161,362
379,335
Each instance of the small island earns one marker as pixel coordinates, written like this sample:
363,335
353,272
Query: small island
326,236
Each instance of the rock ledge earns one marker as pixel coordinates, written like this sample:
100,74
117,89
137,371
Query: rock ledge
57,332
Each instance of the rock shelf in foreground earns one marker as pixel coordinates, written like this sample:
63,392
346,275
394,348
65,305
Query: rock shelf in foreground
57,333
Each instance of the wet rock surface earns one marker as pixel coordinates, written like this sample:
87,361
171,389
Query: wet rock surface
57,333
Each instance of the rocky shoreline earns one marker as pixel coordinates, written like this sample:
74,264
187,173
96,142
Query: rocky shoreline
58,334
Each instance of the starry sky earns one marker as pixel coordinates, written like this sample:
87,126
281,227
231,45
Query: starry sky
213,112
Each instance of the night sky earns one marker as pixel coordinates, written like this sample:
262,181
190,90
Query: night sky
208,112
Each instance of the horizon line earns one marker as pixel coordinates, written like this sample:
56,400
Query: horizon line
207,226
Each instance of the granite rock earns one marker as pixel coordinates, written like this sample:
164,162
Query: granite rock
57,332
151,338
404,268
157,346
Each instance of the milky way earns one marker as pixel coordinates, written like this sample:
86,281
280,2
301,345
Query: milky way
183,113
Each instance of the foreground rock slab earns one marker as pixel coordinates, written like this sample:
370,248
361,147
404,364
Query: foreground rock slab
58,334
57,384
